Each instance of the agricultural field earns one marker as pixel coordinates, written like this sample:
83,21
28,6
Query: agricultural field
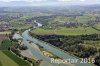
9,56
97,26
5,44
3,37
16,59
20,25
85,19
74,29
66,31
5,32
5,60
79,19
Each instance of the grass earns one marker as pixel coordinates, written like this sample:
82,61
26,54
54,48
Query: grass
97,26
66,31
84,19
5,32
20,25
5,60
16,59
43,31
5,45
1,64
13,58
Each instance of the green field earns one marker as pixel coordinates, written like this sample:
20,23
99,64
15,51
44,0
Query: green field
8,58
5,45
16,59
1,64
84,19
5,32
66,31
5,60
97,26
20,25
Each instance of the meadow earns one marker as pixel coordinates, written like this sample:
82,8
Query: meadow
5,32
5,45
97,26
7,57
16,59
19,25
5,60
66,31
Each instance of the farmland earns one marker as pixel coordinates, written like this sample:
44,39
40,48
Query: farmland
66,31
20,25
3,37
74,29
17,60
5,45
5,32
6,57
5,60
13,59
97,26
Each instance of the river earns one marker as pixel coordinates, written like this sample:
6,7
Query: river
50,48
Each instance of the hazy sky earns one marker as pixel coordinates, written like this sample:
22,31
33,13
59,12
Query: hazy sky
55,0
59,1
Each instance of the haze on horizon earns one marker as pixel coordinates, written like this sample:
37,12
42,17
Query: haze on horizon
47,2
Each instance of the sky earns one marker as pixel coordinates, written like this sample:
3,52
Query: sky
58,1
54,0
